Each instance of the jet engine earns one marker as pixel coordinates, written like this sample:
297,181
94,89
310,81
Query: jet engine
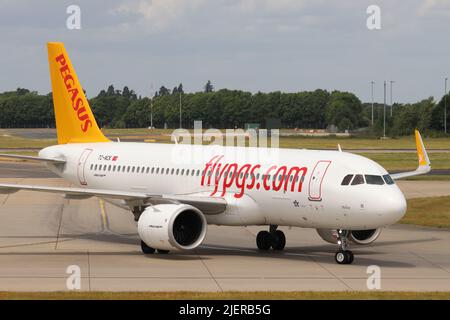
360,237
172,226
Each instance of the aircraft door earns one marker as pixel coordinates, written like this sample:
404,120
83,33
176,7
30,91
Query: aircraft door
81,166
316,179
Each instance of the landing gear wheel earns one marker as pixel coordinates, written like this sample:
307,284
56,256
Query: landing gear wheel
279,240
350,256
340,257
146,249
344,257
264,240
163,251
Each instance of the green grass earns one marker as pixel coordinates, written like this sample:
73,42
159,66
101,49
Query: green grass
391,161
408,161
434,177
307,295
19,142
407,142
430,212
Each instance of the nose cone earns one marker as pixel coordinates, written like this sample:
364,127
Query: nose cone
394,205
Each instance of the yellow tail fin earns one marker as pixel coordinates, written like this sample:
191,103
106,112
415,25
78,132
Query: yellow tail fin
75,122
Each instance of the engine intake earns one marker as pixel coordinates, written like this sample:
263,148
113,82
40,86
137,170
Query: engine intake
172,226
361,237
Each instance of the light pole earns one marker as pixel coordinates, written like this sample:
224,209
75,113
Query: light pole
372,82
180,110
384,112
151,106
151,113
445,105
391,97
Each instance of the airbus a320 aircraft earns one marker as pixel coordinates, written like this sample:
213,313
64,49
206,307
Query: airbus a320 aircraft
347,198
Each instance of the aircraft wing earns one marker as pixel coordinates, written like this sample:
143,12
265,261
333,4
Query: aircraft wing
31,158
424,162
208,205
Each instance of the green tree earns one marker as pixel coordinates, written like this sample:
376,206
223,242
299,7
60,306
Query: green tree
344,110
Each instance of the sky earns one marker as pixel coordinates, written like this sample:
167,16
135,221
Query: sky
252,45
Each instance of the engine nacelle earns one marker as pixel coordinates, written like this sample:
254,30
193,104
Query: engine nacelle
360,237
172,226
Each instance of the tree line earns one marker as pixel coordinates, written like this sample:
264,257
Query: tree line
225,108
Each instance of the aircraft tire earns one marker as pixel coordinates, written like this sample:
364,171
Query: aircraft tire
146,249
264,240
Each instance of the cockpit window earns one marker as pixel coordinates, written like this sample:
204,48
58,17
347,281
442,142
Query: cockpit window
358,179
388,179
346,180
373,179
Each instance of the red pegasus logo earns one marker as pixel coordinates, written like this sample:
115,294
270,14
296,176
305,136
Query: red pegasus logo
77,101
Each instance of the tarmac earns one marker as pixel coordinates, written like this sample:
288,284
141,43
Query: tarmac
42,235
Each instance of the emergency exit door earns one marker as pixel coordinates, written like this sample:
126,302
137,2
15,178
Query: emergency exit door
81,166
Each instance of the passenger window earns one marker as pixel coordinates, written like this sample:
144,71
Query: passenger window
118,168
373,179
147,170
358,179
153,170
178,171
128,169
198,173
346,180
137,169
388,179
95,167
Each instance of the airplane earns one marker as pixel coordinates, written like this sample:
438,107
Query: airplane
347,198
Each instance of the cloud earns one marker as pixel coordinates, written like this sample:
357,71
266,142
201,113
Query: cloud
269,6
159,14
434,8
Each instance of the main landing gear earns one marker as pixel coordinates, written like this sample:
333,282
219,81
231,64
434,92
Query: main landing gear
273,238
149,250
343,256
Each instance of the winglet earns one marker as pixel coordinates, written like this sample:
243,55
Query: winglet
424,162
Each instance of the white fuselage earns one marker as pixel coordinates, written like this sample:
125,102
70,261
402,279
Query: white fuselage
306,191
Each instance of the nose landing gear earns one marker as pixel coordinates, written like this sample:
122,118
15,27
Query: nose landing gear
273,238
343,256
